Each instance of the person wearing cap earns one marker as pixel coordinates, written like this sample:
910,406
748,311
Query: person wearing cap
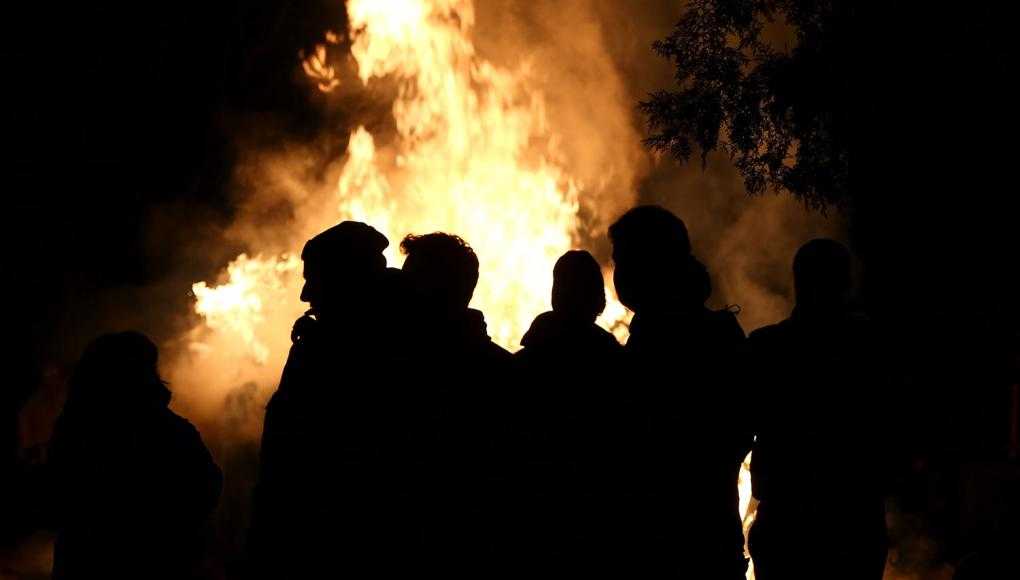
567,376
324,497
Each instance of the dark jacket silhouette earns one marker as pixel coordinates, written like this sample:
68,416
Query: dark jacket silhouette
133,482
820,432
566,380
459,375
682,436
326,502
557,343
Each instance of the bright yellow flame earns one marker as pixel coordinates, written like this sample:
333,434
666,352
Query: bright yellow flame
472,155
237,307
748,506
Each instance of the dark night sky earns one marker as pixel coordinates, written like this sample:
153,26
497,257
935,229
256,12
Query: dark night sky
117,129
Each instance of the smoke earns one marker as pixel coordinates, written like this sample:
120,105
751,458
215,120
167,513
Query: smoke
747,243
595,61
590,105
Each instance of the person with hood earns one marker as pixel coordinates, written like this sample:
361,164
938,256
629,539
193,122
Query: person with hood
823,443
684,438
134,485
567,336
566,369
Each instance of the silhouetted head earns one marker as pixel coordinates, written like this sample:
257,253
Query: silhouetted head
696,286
822,274
651,249
118,371
343,266
441,269
578,292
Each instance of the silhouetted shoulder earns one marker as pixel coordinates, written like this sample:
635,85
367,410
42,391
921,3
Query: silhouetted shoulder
543,329
605,340
550,331
201,480
726,324
185,436
768,333
498,354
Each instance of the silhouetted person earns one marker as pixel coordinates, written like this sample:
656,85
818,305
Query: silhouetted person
460,374
134,483
567,379
325,499
20,381
818,458
682,437
441,272
567,335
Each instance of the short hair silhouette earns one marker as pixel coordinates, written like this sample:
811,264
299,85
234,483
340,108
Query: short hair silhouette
338,258
579,291
441,267
650,227
822,272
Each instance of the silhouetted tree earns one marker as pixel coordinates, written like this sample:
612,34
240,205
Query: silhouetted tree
766,82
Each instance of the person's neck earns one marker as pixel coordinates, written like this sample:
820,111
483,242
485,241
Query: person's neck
355,317
816,310
669,309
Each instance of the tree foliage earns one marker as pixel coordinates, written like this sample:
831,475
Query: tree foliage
766,82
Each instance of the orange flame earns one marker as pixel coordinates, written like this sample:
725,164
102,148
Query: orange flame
748,506
473,155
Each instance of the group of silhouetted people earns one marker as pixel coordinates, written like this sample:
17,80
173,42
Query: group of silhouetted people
403,442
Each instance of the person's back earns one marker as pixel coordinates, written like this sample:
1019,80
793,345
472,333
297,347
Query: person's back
441,271
817,461
681,407
693,436
460,374
566,339
564,398
134,483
